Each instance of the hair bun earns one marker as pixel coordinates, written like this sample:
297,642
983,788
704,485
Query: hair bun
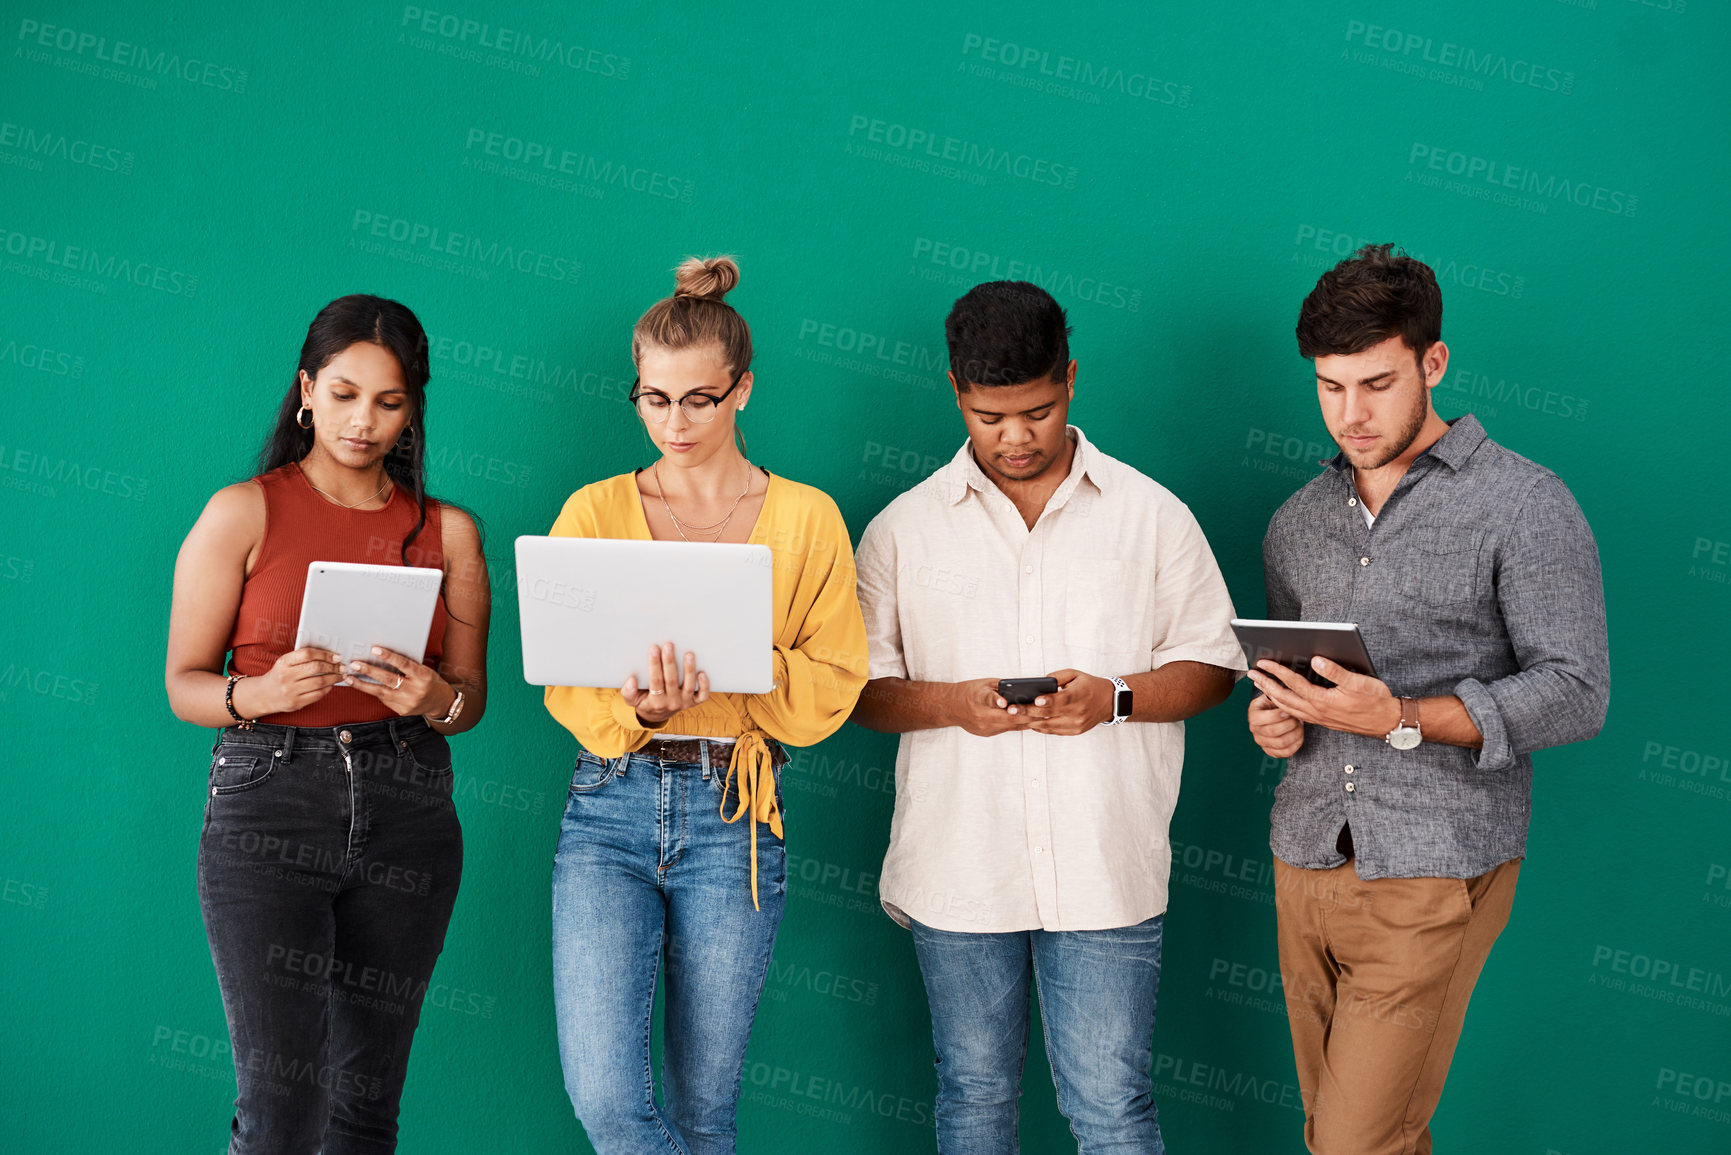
708,278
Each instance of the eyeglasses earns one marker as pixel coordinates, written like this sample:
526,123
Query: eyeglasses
698,407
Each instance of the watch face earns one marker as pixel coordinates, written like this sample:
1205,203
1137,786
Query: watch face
1121,704
1404,737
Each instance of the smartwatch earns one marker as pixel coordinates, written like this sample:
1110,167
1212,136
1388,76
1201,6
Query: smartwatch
1120,702
1406,735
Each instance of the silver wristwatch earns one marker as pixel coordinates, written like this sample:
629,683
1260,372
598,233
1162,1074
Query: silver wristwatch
1121,700
1406,735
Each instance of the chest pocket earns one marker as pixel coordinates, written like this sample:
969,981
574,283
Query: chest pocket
1440,571
1107,606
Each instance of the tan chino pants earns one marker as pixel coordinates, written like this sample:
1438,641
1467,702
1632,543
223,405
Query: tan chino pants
1377,977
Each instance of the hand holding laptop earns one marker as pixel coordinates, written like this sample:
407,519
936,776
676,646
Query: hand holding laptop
589,607
670,690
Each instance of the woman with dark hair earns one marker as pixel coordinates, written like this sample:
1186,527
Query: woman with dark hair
331,852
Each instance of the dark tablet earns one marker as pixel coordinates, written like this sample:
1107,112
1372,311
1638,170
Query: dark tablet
1293,644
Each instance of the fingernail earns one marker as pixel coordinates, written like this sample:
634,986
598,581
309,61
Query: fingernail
377,650
355,665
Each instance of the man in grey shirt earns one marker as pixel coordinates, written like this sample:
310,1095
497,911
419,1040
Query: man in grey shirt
1400,824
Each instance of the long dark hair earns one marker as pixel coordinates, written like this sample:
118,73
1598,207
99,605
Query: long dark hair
353,320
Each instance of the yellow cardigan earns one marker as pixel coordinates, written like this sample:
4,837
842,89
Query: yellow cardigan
818,632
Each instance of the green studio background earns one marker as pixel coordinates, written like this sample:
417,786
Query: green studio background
185,186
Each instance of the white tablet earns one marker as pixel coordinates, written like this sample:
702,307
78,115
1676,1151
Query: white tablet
1293,644
350,608
591,608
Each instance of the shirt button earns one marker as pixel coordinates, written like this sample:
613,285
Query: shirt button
1349,769
1352,501
222,761
1039,850
1029,639
1349,788
1027,569
1035,782
1364,561
345,736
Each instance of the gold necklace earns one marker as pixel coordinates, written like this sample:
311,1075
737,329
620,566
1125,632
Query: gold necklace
384,482
719,527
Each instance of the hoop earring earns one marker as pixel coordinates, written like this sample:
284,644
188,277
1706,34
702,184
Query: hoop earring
308,423
402,445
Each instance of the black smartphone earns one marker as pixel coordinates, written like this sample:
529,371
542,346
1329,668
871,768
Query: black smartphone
1023,691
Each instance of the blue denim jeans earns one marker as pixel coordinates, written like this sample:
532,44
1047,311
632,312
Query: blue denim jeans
648,879
327,871
1097,990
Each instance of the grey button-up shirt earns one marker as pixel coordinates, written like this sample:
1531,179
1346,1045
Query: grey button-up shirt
1479,579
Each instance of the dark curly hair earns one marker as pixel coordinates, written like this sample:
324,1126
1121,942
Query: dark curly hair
1006,333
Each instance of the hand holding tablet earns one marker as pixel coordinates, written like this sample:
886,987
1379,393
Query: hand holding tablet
1316,673
366,612
1293,644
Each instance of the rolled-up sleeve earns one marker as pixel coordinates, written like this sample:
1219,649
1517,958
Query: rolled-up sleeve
1551,597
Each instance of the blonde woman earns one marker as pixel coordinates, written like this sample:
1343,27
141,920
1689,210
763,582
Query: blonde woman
670,858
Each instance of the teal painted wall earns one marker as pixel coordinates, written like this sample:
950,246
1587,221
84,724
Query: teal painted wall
184,186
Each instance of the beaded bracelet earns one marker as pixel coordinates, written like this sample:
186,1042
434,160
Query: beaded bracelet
228,700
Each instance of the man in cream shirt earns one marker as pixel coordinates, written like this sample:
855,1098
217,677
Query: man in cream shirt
1029,844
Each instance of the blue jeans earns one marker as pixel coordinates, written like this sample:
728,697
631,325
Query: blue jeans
649,876
1097,991
327,870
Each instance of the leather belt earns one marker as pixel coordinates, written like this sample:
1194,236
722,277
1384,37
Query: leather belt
691,750
688,750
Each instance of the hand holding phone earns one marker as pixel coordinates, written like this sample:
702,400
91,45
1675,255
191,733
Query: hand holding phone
1023,691
977,707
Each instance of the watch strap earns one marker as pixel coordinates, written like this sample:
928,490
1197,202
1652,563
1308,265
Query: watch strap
1407,730
451,714
1120,690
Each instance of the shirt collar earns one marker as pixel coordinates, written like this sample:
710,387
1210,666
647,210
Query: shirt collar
1087,463
1453,448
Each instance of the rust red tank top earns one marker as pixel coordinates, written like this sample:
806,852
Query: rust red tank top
300,528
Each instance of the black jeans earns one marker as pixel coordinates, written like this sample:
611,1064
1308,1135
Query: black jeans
327,872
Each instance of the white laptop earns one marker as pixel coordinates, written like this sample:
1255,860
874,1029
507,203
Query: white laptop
591,608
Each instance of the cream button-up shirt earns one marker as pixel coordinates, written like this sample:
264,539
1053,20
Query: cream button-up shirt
1025,830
